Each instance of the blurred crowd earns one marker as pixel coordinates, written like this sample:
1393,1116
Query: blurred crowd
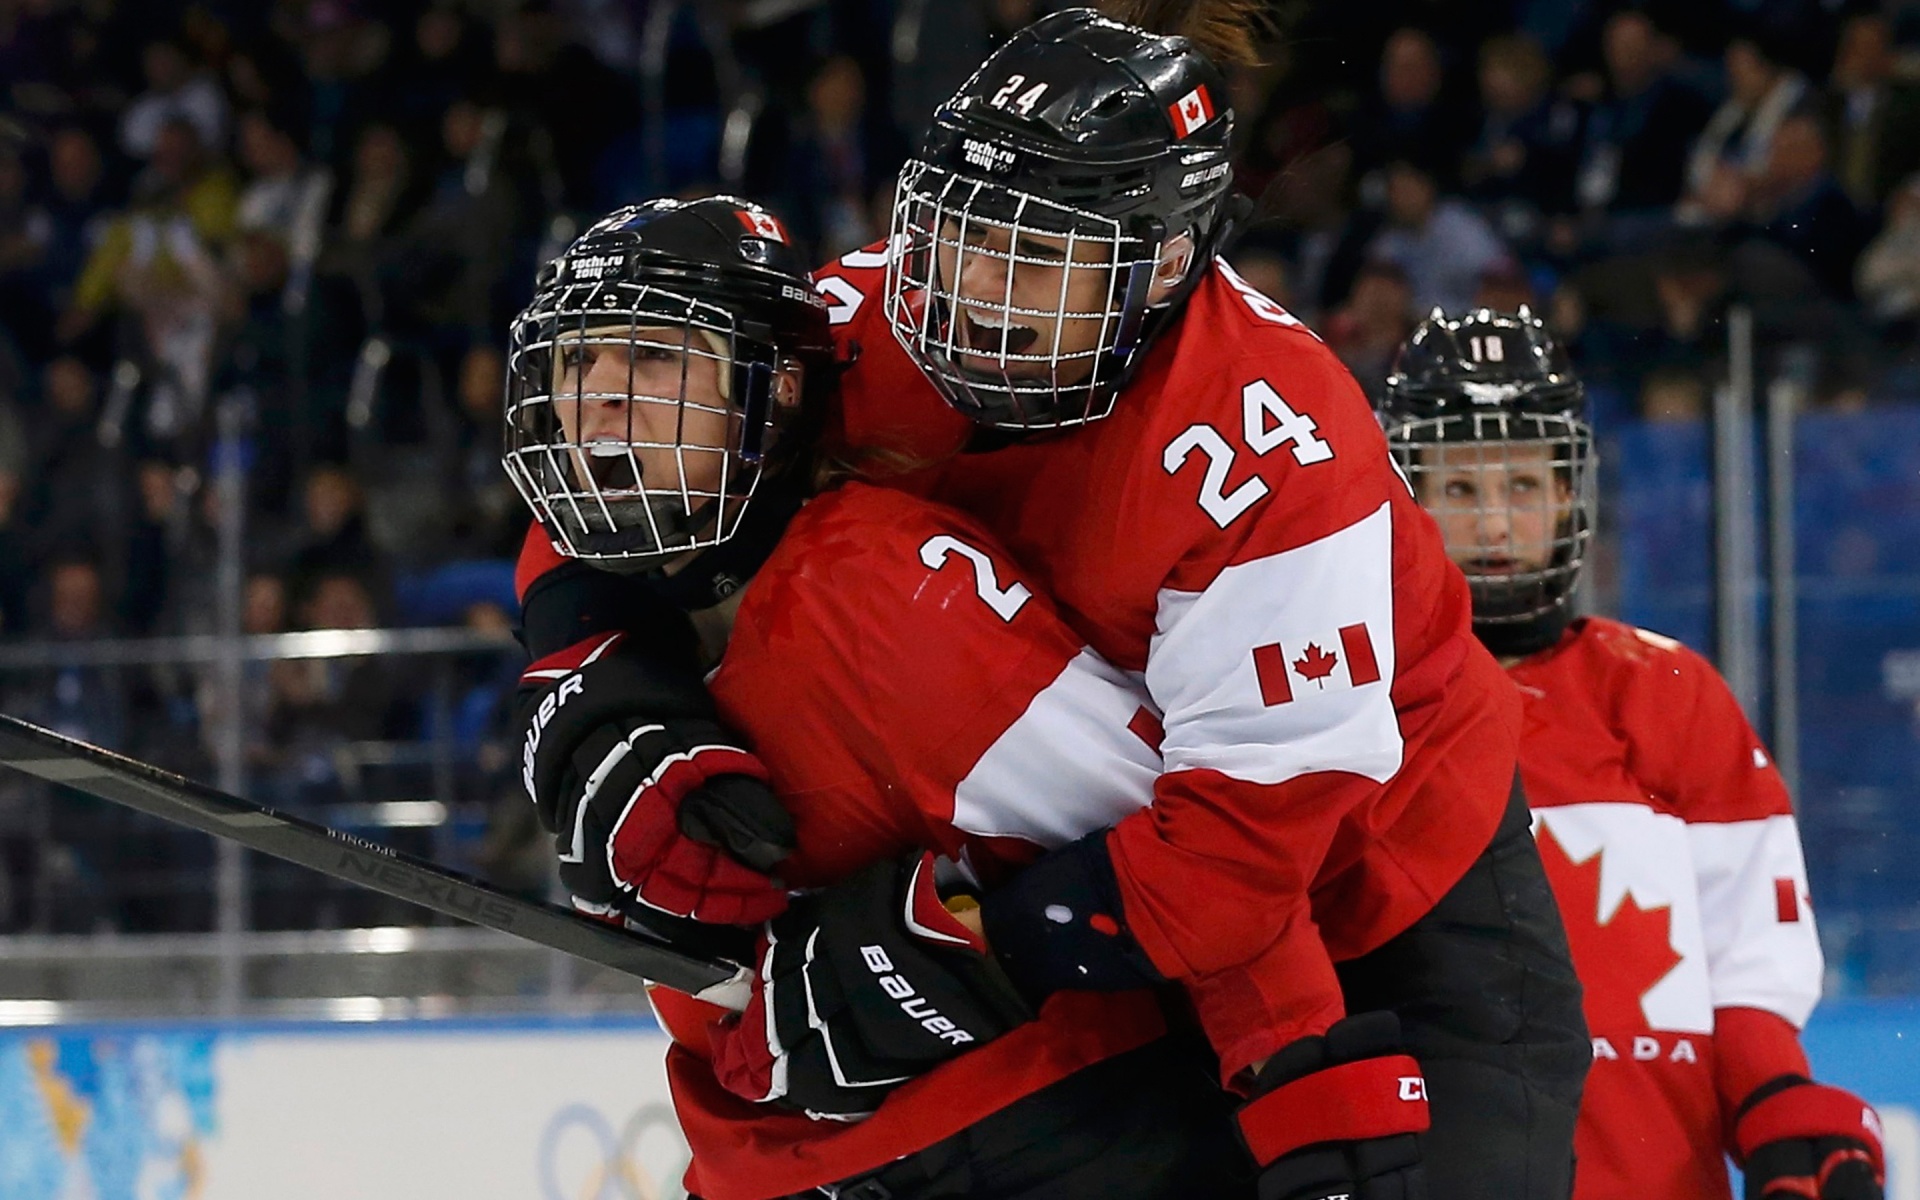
1632,170
284,237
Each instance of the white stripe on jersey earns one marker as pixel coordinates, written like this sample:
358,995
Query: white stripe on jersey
1201,663
1068,766
1756,959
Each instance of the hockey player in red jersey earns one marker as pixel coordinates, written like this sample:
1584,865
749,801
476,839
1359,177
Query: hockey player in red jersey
1667,833
903,688
1202,488
1334,841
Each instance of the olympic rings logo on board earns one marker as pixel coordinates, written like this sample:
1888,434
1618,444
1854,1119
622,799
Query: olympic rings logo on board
583,1157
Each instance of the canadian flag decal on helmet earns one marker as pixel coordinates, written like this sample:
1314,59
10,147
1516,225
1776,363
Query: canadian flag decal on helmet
763,224
1191,111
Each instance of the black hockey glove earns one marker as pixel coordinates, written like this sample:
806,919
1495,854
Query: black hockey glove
1335,1117
863,986
1799,1140
649,800
1059,926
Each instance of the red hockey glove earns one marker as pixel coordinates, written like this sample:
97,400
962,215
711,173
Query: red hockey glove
863,986
1796,1138
650,802
1336,1116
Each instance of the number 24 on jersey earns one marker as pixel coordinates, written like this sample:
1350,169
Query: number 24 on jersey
1269,423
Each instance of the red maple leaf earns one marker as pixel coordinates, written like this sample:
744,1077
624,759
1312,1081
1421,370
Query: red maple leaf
1618,960
1316,664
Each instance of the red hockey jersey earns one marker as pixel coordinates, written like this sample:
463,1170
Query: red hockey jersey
907,687
1338,747
1668,838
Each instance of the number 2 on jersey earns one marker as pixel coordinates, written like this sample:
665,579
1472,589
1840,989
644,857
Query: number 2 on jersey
1268,423
1004,601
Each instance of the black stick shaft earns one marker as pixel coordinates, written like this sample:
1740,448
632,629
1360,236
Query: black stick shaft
56,758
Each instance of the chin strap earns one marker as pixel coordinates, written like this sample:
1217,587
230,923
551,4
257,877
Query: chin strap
1517,639
717,573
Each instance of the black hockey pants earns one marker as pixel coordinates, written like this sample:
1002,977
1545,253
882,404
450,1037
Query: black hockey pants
1489,1005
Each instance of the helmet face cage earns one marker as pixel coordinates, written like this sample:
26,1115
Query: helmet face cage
1514,496
648,476
1015,362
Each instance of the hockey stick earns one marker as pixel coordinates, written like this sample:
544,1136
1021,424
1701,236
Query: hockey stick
56,758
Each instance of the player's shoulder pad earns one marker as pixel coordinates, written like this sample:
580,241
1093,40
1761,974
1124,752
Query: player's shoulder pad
1254,308
1250,389
1241,337
1651,660
870,550
853,283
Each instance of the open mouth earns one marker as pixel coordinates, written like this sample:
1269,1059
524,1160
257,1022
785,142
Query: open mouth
983,334
613,467
1495,564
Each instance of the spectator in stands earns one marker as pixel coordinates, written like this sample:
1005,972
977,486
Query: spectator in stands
157,262
280,354
454,251
1888,276
333,538
1323,238
283,197
1874,118
177,90
1367,330
1691,285
342,52
150,550
369,213
1797,203
548,81
76,205
88,703
70,477
445,62
1410,116
1524,160
1737,143
1441,245
263,610
1634,155
828,177
317,703
488,520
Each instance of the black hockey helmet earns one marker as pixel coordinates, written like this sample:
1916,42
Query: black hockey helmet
1476,409
1078,151
683,283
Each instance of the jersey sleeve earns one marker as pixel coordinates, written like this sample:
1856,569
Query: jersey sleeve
1694,746
1284,641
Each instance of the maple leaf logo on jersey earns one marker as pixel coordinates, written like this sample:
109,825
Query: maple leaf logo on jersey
1316,664
1619,959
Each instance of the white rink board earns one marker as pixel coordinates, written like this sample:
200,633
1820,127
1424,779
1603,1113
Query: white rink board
475,1109
411,1111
